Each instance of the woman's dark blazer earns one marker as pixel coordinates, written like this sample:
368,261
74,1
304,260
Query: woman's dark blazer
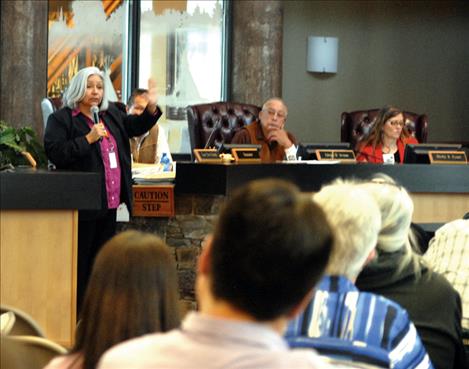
66,146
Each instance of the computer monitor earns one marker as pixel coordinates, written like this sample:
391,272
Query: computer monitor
418,153
307,151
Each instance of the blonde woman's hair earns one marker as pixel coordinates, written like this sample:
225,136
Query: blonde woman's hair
356,220
397,209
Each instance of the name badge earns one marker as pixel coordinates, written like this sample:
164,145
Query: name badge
388,158
112,160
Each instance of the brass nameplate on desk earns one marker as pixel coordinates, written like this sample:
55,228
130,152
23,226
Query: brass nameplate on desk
153,201
207,156
447,157
246,155
342,155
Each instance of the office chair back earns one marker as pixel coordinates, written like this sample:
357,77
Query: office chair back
28,352
225,118
24,325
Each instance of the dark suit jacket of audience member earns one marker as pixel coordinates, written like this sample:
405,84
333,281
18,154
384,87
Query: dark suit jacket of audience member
434,306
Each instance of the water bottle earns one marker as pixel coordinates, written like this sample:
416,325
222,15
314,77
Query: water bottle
165,162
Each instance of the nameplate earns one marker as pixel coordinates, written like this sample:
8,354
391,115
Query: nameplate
246,155
207,156
447,157
342,155
153,201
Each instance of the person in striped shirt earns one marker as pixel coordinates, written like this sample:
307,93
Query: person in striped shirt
337,308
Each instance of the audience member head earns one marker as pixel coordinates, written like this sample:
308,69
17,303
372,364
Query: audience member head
396,208
79,91
132,291
389,123
356,220
270,247
273,115
138,101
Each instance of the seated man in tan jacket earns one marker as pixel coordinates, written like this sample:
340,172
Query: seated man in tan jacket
277,143
149,147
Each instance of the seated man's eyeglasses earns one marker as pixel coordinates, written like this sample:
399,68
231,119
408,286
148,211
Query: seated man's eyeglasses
280,114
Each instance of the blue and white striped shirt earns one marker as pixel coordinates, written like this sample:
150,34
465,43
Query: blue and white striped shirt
339,310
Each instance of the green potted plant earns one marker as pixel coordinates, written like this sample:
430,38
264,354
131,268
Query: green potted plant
17,143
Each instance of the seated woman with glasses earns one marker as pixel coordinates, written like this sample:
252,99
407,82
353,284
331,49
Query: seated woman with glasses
387,139
269,132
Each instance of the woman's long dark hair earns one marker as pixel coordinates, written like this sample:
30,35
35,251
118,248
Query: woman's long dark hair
132,291
375,136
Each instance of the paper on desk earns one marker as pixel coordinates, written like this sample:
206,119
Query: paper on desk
152,172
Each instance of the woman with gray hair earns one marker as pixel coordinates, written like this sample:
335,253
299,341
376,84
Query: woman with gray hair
400,275
91,134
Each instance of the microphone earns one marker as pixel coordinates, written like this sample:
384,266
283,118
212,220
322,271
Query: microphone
94,111
216,126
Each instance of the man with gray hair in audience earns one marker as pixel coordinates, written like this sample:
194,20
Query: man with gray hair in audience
338,310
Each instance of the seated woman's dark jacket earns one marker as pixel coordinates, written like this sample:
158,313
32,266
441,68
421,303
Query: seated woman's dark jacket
434,306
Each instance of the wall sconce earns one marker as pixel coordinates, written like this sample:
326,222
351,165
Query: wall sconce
322,54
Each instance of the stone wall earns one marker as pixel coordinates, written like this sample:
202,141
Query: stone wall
184,233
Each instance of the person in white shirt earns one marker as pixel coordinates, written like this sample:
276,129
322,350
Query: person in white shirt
149,147
270,247
448,254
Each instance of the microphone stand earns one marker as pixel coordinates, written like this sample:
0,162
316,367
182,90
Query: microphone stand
216,126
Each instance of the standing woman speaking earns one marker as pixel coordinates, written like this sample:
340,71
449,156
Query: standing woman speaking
73,141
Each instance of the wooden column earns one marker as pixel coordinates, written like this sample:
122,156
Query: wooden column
23,55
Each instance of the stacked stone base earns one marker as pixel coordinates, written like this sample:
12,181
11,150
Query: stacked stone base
195,218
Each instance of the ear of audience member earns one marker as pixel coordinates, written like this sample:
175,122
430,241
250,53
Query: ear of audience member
132,292
337,309
399,274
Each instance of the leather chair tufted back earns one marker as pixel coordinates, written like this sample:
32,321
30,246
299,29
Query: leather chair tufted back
225,117
356,125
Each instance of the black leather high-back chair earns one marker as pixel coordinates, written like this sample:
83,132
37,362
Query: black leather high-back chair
355,125
224,118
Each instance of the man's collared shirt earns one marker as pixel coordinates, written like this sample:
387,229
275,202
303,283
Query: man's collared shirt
338,309
206,342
